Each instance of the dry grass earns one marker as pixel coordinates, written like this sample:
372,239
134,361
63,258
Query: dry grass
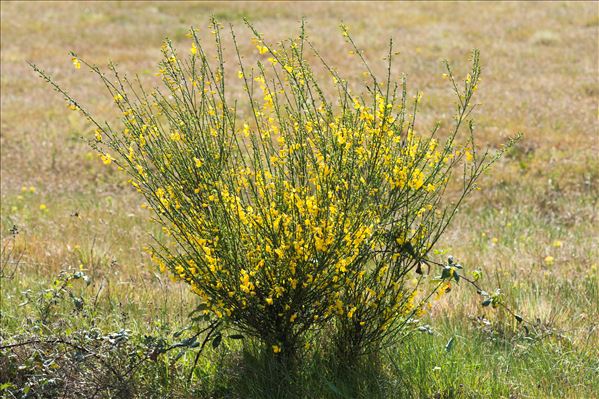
540,77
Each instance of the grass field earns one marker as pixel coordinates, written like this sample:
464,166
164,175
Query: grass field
532,229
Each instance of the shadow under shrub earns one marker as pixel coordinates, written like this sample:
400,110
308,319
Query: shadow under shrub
253,373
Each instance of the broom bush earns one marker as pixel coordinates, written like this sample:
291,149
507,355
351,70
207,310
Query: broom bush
319,210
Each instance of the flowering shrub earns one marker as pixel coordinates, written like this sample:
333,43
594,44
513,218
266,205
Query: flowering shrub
316,208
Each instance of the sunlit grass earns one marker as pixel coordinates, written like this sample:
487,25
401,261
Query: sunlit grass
540,74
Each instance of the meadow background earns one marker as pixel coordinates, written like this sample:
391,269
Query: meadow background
532,229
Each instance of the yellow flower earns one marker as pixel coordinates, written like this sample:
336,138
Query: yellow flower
261,49
276,348
293,317
240,74
106,158
344,30
350,314
269,300
76,62
193,49
198,162
43,207
469,156
430,187
557,243
417,179
246,130
549,260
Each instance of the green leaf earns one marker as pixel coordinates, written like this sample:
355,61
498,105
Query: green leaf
217,340
5,386
419,268
188,342
446,272
450,344
77,302
177,334
179,355
409,249
426,329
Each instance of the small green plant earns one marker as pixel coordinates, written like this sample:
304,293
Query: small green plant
62,351
302,206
